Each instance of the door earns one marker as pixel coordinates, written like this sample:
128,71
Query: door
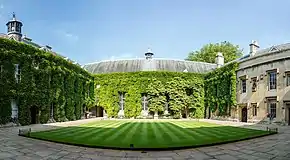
288,108
244,114
33,114
288,114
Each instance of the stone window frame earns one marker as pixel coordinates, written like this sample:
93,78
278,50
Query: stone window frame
1,70
144,101
17,73
254,81
254,107
243,78
122,99
269,109
287,78
14,111
268,72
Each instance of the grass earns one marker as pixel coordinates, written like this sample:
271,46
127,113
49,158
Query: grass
147,135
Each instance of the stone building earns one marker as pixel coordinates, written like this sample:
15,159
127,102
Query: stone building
263,77
263,85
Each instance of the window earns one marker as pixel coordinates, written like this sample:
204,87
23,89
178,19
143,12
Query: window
14,108
288,79
1,70
122,100
17,73
244,86
272,80
272,108
144,100
254,108
254,85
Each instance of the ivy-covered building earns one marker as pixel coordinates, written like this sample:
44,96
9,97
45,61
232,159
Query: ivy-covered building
254,88
14,32
138,87
36,84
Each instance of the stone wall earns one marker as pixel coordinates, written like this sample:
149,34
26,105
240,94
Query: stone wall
258,66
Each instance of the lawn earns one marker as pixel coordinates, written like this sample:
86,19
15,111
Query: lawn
147,135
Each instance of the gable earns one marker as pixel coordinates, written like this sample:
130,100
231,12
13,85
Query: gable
12,38
273,49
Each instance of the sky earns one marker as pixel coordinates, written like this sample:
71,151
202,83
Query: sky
93,30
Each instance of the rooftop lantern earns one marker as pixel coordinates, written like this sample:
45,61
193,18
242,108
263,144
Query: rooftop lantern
149,54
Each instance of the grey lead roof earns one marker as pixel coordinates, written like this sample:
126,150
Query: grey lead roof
134,65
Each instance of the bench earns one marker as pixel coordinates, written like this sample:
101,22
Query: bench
272,129
24,132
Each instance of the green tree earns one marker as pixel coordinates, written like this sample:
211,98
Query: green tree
209,51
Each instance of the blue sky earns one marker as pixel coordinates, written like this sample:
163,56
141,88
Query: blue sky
94,30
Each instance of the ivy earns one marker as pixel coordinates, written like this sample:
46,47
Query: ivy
47,81
220,89
50,82
158,86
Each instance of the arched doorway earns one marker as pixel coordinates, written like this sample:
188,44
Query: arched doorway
244,114
34,115
100,111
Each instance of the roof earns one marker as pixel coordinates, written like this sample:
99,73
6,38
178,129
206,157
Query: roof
134,65
261,52
31,43
274,48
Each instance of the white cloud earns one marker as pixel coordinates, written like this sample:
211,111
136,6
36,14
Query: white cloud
1,6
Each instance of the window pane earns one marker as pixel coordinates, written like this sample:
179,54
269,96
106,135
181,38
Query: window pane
244,89
288,80
272,80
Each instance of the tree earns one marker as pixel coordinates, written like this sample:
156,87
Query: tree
209,51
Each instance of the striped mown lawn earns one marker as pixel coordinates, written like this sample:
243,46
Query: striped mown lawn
147,135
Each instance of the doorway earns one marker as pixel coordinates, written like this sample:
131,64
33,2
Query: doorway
100,111
33,115
244,114
288,109
288,115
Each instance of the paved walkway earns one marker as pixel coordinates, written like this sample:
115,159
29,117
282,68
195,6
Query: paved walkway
12,146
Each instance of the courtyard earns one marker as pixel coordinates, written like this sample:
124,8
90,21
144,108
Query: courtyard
147,134
275,146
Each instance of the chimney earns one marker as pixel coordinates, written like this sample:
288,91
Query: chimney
219,59
253,48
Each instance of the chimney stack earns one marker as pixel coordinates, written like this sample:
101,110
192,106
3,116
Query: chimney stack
253,48
219,59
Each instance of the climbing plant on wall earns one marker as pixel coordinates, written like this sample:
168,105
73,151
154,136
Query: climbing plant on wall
220,89
46,81
156,85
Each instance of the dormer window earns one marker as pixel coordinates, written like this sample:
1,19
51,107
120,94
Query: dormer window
273,49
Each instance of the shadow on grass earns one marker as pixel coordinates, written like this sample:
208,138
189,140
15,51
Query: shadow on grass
126,137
